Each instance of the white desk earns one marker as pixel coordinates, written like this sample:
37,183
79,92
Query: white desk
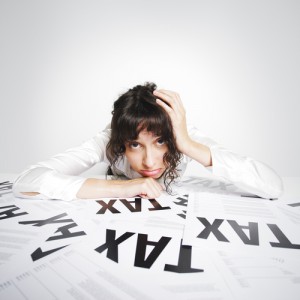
126,249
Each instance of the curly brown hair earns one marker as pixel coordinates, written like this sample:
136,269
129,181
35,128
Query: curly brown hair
135,111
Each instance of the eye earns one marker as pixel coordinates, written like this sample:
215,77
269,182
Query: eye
134,145
160,141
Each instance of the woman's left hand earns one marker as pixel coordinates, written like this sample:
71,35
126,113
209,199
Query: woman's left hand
172,104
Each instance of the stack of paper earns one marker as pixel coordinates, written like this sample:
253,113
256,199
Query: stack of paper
204,242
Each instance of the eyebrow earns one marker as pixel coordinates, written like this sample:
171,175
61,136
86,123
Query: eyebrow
156,137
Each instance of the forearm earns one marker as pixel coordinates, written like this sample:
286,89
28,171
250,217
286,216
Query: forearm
197,151
100,188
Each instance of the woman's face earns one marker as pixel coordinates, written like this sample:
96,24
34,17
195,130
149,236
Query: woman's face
145,154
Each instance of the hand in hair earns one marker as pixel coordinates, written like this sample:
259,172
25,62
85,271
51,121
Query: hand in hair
172,104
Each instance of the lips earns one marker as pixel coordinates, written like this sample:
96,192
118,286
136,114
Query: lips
150,173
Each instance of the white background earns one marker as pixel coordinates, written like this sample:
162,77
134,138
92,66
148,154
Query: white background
235,64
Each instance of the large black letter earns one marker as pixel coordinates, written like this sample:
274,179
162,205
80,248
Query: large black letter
137,204
157,206
283,240
38,253
52,220
184,261
211,228
142,243
182,201
9,213
183,215
253,232
108,206
112,243
66,232
294,204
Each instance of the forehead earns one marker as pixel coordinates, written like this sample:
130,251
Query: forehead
145,135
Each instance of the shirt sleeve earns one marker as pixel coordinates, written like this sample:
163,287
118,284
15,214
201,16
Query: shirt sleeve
59,176
244,172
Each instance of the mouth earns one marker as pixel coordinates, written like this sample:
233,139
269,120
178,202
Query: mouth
150,173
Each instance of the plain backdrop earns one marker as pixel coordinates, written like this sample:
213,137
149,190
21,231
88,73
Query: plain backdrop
235,64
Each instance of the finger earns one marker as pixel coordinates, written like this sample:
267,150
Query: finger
150,195
173,95
167,92
152,189
143,196
156,188
172,99
165,106
174,113
168,98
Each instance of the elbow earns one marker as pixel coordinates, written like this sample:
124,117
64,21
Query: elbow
276,188
269,183
270,188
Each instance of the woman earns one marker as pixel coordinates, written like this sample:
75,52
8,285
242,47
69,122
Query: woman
149,142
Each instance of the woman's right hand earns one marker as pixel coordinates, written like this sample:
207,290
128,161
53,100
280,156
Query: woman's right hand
145,187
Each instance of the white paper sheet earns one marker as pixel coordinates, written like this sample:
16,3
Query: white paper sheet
259,277
231,222
193,184
290,207
29,230
145,266
137,252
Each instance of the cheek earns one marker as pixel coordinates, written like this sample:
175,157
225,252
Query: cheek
162,153
131,157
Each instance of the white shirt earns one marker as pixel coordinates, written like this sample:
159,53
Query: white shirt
59,177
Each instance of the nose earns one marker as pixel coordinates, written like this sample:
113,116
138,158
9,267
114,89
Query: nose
148,158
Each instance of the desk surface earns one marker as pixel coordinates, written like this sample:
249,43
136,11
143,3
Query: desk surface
205,242
291,184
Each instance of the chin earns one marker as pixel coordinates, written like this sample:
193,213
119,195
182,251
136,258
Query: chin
160,175
157,176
